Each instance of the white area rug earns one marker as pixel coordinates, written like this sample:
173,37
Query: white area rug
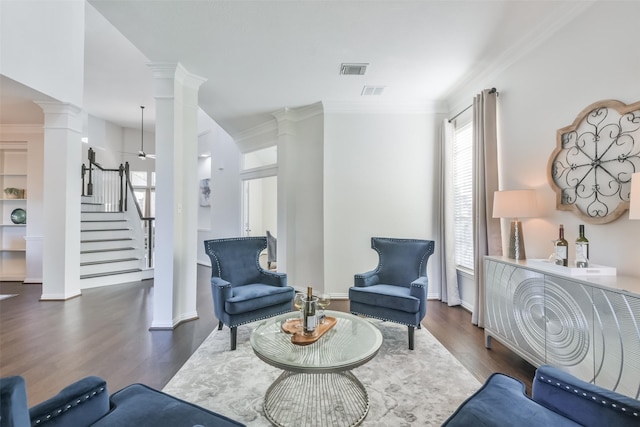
406,388
5,296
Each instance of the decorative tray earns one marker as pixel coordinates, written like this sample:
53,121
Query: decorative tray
592,270
294,327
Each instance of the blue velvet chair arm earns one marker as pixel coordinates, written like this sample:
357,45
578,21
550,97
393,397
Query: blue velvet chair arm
14,411
366,279
419,288
273,278
221,285
582,402
79,404
222,291
502,402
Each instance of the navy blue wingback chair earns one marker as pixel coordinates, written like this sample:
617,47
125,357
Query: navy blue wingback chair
87,403
243,291
558,399
397,289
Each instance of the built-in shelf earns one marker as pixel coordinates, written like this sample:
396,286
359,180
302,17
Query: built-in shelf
13,168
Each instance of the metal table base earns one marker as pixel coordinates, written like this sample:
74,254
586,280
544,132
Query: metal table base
320,399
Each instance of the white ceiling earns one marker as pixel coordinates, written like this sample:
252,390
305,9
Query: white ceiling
261,56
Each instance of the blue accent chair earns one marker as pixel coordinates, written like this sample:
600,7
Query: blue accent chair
87,403
397,289
244,292
558,399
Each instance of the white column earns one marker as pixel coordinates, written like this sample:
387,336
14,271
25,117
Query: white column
61,201
287,164
175,283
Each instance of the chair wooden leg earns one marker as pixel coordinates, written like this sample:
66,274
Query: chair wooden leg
220,325
234,337
411,333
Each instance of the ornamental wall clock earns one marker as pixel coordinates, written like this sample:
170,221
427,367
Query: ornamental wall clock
590,169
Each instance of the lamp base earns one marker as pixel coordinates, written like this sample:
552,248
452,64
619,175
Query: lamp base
516,241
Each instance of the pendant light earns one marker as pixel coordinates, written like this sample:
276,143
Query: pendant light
141,154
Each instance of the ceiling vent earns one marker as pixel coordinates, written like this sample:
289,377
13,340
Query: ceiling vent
372,90
353,69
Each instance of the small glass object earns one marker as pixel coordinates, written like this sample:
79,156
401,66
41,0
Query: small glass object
298,303
554,258
323,301
581,258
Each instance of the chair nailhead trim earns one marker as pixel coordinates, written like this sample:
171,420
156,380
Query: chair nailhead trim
383,319
586,395
57,412
260,318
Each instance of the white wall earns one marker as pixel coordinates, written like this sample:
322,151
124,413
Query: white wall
114,144
378,181
55,45
593,58
223,218
300,196
270,205
263,206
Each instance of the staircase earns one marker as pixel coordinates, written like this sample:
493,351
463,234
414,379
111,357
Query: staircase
109,251
113,243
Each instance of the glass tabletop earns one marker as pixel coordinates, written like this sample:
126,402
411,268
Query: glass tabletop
352,342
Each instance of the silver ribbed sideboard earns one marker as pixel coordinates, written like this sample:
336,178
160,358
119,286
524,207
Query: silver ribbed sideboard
586,325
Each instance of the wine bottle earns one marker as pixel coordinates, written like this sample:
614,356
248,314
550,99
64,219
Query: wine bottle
582,249
562,247
309,321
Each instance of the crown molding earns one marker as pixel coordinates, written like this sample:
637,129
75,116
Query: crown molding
299,113
479,75
255,138
399,107
256,131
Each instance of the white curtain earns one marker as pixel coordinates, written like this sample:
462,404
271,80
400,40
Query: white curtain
449,291
487,235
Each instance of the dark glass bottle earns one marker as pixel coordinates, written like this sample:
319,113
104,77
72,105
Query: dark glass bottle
582,249
562,248
309,319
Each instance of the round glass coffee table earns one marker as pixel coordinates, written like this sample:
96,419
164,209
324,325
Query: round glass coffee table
317,387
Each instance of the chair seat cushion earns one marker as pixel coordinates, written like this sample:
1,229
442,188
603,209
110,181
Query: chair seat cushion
255,296
502,401
389,296
140,406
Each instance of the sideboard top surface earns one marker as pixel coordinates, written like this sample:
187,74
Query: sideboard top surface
627,284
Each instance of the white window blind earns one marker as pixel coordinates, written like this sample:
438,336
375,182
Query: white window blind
462,195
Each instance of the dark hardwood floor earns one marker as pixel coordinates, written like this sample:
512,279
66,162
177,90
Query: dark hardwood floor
105,332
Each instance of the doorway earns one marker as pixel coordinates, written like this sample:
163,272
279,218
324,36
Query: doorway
260,211
260,206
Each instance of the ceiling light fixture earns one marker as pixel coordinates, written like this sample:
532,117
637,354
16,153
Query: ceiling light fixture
353,69
372,90
141,153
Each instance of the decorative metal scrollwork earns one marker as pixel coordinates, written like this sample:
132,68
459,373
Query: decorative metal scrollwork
590,169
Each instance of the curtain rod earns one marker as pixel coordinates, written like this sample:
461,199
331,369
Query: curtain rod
493,90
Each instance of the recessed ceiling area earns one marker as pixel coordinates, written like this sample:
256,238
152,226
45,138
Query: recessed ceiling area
259,57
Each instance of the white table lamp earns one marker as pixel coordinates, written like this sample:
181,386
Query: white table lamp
515,204
634,197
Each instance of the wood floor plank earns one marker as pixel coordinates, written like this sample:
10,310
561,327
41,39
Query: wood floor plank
105,332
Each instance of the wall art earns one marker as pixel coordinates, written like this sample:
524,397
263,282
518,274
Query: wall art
590,169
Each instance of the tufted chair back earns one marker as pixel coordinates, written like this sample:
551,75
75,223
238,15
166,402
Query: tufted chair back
401,260
236,260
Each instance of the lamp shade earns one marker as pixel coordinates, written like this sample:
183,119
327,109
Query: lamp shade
634,197
514,204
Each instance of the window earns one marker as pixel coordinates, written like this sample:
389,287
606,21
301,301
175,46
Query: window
260,158
144,191
462,195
